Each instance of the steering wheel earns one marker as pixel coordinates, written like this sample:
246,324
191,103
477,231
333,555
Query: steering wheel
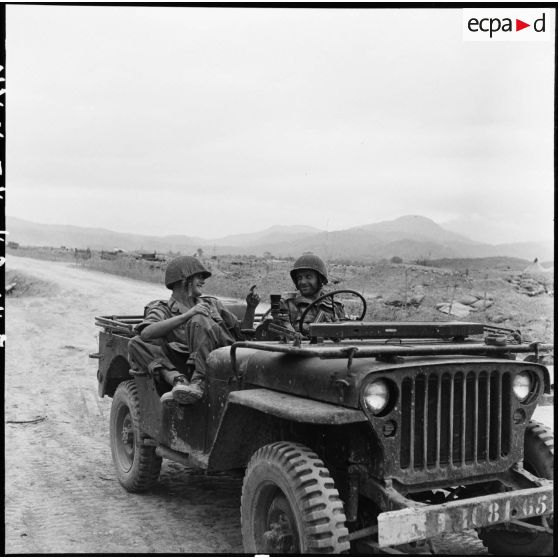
332,294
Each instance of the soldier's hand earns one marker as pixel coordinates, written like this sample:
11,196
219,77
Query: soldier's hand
252,298
201,308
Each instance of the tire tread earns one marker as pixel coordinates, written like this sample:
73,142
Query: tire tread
148,466
323,516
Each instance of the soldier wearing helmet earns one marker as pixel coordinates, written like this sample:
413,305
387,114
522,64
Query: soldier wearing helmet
309,274
188,325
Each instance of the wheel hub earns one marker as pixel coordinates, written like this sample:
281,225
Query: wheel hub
127,435
126,439
280,536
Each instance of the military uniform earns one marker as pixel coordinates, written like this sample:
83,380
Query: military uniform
194,340
292,306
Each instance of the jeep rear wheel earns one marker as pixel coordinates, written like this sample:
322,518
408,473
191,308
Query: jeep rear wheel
290,505
137,465
539,460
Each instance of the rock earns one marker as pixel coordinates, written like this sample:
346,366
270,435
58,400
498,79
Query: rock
499,318
415,296
456,309
416,299
467,299
399,302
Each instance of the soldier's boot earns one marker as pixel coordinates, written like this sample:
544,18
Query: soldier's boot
186,394
179,383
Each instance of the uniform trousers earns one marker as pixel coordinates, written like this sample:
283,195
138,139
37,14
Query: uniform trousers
158,358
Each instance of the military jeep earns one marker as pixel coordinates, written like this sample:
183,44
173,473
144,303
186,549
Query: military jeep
362,436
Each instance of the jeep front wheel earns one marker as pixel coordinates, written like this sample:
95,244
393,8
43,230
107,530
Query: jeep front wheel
290,505
539,460
137,465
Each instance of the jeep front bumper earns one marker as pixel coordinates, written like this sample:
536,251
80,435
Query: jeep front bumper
425,521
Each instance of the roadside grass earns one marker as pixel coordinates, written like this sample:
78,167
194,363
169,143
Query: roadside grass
389,288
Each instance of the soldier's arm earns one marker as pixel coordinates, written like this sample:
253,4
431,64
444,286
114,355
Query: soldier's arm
285,315
160,326
252,301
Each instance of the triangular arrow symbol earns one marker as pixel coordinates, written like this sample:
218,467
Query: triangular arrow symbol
519,25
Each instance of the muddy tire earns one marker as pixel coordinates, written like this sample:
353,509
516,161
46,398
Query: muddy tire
137,466
290,505
539,460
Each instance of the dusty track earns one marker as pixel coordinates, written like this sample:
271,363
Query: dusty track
62,495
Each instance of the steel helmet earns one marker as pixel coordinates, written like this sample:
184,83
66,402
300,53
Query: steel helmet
313,262
184,267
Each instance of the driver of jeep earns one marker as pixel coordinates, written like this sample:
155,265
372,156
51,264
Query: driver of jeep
186,326
309,274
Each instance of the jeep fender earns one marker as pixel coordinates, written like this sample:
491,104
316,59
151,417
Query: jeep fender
242,427
117,371
113,363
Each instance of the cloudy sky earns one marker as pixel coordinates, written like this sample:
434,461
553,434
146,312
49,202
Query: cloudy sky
208,122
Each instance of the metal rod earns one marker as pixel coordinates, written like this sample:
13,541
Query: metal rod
135,317
488,417
463,417
452,391
324,351
425,424
179,457
499,418
109,322
476,420
412,436
361,533
438,420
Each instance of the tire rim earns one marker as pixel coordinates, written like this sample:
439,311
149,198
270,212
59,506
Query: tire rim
125,441
275,524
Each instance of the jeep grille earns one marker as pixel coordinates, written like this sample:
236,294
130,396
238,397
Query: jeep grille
454,418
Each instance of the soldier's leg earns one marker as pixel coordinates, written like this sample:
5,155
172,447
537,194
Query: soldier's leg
204,335
152,358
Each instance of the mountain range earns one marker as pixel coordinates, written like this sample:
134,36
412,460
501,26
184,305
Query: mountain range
409,237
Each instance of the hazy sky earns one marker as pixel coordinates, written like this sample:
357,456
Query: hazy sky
207,122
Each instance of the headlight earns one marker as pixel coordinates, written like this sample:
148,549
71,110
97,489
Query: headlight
376,396
522,385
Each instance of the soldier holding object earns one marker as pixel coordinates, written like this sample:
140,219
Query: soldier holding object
188,323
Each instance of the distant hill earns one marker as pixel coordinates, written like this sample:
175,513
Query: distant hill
276,233
71,236
410,237
421,229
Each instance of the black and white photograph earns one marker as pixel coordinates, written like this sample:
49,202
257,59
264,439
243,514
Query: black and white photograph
278,278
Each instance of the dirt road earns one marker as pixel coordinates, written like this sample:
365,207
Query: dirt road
62,495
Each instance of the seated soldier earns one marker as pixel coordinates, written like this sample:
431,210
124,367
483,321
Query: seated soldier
186,323
309,275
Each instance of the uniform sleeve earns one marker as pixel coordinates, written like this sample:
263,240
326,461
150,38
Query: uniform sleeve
155,311
286,317
232,323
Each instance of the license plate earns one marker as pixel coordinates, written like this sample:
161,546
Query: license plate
515,507
413,524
